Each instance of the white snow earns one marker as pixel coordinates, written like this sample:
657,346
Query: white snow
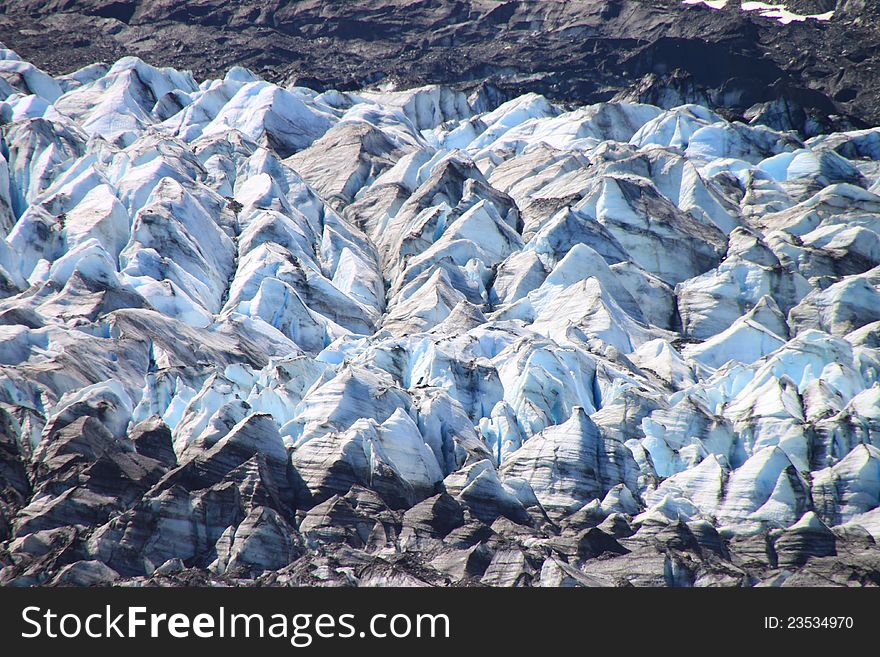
774,11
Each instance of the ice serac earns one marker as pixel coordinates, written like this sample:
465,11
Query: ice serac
571,463
265,335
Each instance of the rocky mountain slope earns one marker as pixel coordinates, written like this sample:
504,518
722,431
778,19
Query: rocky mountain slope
260,334
583,51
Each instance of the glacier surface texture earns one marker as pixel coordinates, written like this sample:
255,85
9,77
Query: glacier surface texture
261,334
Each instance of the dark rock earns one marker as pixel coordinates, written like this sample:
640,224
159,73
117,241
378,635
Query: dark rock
808,538
463,564
332,463
617,525
85,573
75,506
469,534
708,538
753,552
256,435
558,574
436,516
350,519
645,567
263,541
152,438
509,568
585,51
169,524
15,488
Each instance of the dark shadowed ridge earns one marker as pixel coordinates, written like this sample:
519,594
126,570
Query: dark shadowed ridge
586,51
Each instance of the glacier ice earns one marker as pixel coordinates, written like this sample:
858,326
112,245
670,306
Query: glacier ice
243,325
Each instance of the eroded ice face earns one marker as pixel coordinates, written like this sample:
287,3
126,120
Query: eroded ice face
275,295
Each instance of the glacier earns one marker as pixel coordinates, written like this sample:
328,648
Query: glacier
257,334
